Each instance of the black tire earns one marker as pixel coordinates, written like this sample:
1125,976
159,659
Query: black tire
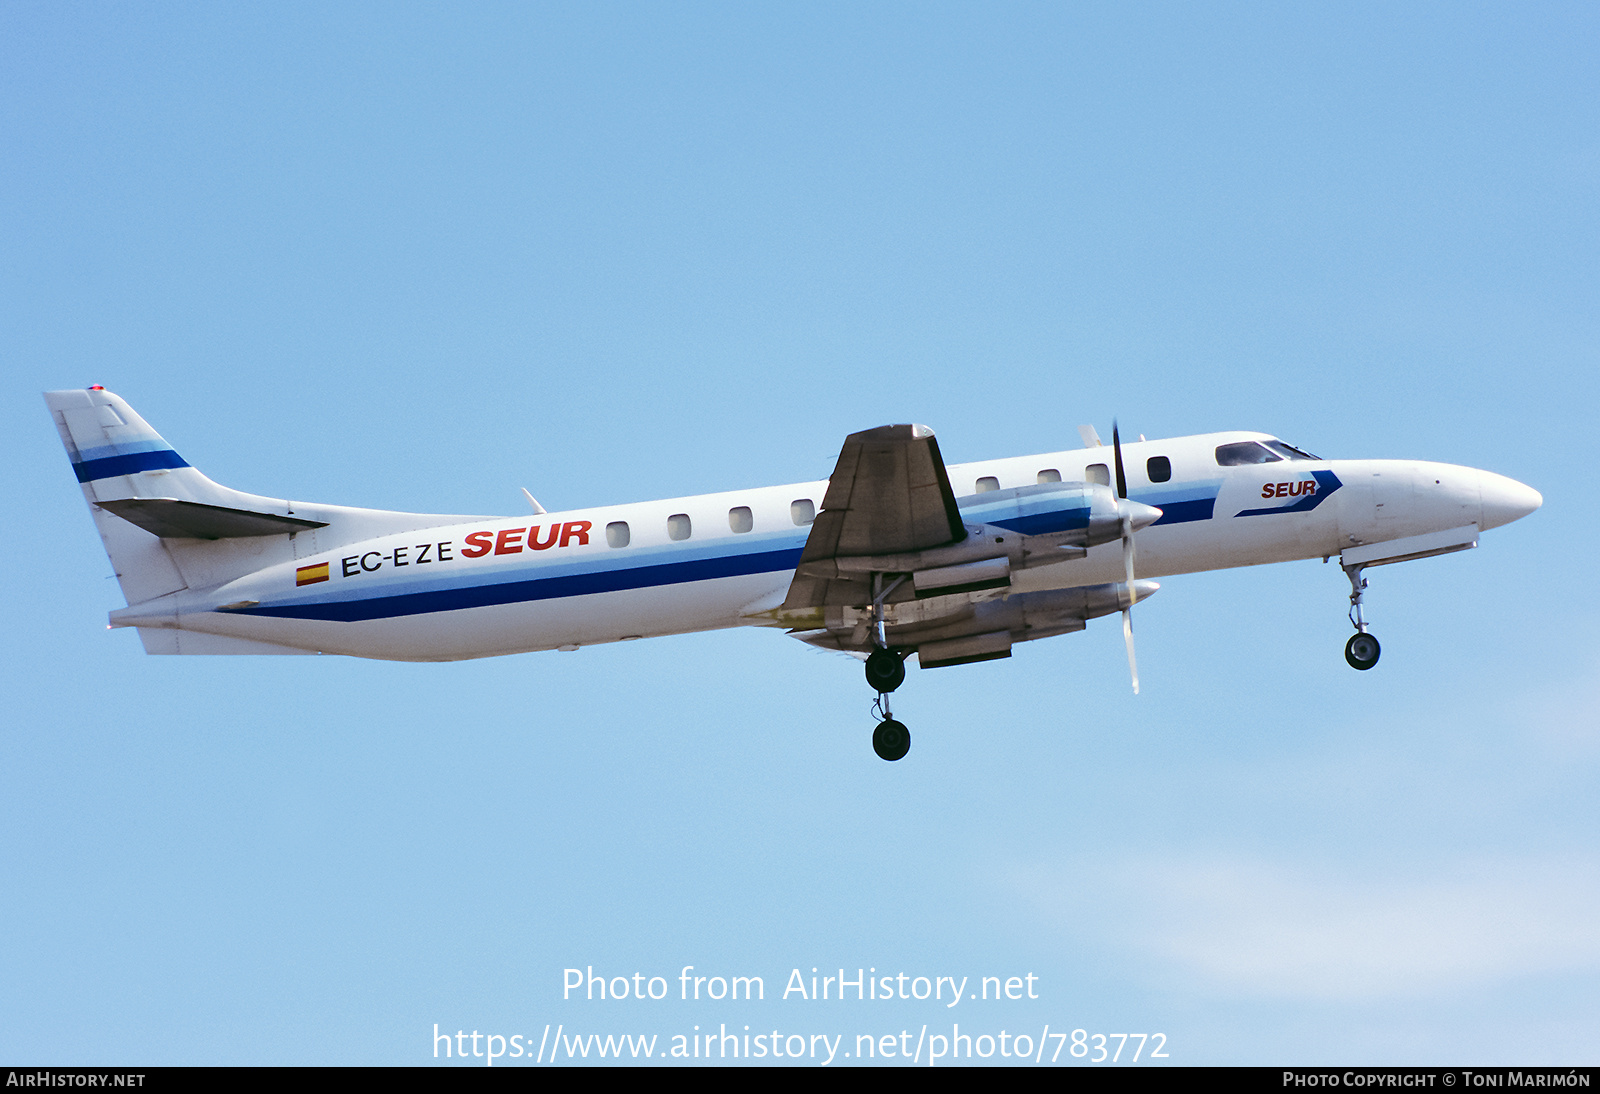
891,740
1362,651
885,671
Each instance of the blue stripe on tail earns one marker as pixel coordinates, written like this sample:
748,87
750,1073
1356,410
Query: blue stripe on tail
109,466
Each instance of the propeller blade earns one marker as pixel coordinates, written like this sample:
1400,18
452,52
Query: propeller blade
1116,452
1127,555
1127,636
1133,597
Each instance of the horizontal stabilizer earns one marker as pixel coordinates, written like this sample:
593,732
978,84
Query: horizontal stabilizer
172,518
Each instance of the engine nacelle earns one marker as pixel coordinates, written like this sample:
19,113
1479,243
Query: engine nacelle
1026,526
1072,514
992,627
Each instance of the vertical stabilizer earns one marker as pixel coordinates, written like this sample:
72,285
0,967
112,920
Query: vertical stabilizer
166,527
131,477
115,454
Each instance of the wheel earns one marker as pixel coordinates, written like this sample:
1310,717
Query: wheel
891,740
885,671
1362,651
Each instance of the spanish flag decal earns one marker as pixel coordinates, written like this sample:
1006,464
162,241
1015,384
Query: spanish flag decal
310,575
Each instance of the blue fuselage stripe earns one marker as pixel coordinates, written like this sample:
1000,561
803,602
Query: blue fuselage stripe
654,575
548,588
1042,524
1181,512
108,466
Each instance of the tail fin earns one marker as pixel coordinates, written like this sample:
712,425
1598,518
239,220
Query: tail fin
116,456
167,527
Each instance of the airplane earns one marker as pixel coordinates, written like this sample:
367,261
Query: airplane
883,560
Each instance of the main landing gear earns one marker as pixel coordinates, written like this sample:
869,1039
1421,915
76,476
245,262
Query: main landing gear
886,670
1362,650
891,740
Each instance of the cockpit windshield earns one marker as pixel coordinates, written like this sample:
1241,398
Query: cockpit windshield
1244,453
1291,451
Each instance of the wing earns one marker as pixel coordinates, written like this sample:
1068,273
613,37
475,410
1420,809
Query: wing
888,495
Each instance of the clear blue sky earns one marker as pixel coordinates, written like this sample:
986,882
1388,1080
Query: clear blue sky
417,257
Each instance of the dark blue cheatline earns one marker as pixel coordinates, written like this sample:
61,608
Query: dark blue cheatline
1182,512
1041,524
547,588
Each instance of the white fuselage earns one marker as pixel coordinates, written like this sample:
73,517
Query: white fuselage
561,580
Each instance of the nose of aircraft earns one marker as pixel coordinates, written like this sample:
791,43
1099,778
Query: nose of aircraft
1505,500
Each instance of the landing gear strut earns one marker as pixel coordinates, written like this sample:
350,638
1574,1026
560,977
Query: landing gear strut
1362,650
886,670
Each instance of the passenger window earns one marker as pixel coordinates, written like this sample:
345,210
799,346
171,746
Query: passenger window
1244,453
740,520
617,533
1159,468
678,526
802,512
988,483
1098,472
1049,474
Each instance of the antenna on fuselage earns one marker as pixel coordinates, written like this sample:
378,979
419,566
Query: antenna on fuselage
533,502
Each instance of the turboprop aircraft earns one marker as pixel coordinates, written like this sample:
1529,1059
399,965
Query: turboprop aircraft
895,554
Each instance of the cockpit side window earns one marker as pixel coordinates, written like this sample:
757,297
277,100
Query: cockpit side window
1284,449
1244,453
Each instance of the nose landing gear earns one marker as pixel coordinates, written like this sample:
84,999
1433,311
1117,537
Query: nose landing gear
1362,651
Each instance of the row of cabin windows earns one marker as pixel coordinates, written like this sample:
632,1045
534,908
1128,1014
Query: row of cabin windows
803,511
1159,468
989,482
740,519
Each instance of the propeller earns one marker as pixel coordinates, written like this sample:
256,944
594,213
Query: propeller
1127,555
